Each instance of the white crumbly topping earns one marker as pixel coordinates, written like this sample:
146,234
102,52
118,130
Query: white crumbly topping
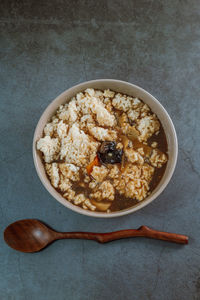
99,94
104,118
147,126
48,129
134,181
90,92
99,173
102,134
121,102
132,114
114,172
105,191
52,171
62,129
79,199
93,184
135,102
69,171
76,147
50,147
51,128
69,195
158,159
89,205
65,184
74,134
133,156
108,191
71,114
154,144
87,119
109,94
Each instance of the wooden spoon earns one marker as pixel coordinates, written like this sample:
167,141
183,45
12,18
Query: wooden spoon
32,235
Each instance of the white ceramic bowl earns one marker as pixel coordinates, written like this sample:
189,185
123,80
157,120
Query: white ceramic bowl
126,88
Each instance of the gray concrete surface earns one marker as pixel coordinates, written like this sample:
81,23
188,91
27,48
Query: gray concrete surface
45,48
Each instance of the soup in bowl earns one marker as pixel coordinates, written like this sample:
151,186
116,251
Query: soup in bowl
105,148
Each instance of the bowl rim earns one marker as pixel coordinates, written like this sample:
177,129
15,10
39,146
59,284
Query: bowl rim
127,211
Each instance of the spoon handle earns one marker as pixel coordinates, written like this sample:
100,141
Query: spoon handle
142,231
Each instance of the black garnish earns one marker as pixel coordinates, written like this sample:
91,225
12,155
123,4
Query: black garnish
108,154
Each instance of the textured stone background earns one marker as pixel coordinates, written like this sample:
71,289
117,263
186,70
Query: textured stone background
49,46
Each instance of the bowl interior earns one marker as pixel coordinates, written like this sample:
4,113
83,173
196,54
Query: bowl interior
126,88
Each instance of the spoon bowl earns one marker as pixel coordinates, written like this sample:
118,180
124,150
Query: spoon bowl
28,235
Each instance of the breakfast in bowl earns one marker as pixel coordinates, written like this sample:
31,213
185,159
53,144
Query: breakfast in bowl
104,151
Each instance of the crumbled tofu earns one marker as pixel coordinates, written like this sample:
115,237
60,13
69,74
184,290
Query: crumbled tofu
79,199
147,172
136,189
121,102
154,144
71,114
69,195
133,114
62,129
99,173
99,94
158,159
133,183
105,191
50,147
104,118
87,118
97,195
76,147
108,191
65,184
135,102
52,171
108,94
123,122
89,205
90,92
49,129
133,156
93,184
114,172
102,134
147,126
69,171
